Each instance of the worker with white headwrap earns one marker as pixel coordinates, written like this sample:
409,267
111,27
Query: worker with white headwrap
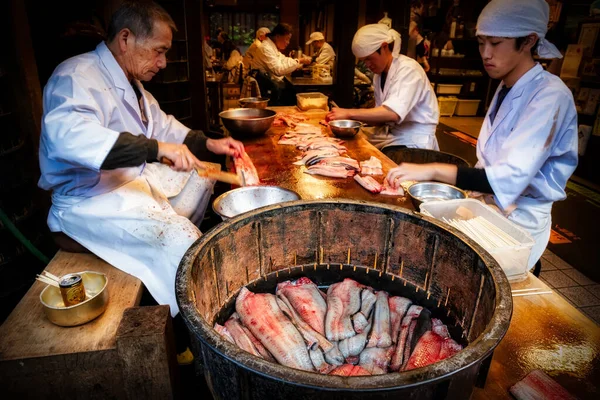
406,109
527,147
325,54
261,34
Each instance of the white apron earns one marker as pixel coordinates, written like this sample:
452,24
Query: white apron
137,228
530,151
134,218
408,93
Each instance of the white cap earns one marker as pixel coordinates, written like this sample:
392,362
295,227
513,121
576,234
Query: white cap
262,31
315,36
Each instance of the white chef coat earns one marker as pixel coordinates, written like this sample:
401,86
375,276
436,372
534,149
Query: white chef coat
530,151
250,54
408,93
325,55
270,60
122,215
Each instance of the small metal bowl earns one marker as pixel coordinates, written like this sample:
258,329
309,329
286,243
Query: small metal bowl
254,102
95,303
345,128
241,200
422,192
247,122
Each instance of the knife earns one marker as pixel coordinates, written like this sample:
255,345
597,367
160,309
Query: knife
213,171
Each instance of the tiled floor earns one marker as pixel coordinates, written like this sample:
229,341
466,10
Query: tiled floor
582,292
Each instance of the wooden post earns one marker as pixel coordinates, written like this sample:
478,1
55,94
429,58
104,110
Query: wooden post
145,345
195,37
289,13
345,26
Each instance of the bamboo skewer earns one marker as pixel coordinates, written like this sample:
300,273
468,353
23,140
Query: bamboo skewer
47,281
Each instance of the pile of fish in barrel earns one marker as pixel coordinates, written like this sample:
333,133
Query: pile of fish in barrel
326,156
350,331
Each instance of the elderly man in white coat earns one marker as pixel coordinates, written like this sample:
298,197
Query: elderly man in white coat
406,109
261,35
527,147
100,132
325,54
272,66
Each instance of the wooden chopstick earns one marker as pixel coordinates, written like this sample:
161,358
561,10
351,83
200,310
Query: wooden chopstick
52,276
47,281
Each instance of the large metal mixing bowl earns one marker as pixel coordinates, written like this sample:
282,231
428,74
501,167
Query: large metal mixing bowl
345,128
254,102
241,200
422,192
247,122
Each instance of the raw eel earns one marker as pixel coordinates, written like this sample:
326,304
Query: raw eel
245,339
353,346
389,190
245,167
376,359
367,302
311,155
263,317
398,357
398,307
350,370
537,385
369,183
306,298
332,172
380,335
313,338
319,362
371,167
343,301
221,330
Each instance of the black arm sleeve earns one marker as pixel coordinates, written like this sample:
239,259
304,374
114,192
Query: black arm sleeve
196,142
473,179
130,151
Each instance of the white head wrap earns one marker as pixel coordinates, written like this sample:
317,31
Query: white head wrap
262,31
518,18
368,39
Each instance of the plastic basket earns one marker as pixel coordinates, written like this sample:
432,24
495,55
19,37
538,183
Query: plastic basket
514,260
447,106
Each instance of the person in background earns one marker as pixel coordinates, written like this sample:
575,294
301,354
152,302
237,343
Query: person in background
324,52
271,66
422,46
406,109
207,52
261,35
102,135
233,60
527,147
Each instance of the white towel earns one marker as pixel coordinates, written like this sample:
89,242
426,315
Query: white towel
518,18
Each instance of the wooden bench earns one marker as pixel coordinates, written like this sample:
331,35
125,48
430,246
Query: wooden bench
127,352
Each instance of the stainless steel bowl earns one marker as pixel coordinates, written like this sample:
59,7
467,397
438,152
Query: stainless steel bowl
247,122
422,192
254,102
96,299
345,128
241,200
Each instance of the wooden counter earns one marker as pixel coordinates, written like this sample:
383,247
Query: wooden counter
546,332
274,164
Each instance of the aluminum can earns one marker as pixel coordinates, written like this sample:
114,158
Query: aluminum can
71,289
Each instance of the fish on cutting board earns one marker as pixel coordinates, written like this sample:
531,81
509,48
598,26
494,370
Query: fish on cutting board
245,167
537,385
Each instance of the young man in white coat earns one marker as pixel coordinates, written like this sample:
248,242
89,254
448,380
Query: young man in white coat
527,147
406,110
101,131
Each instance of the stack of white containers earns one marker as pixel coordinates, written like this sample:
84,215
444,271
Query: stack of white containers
507,242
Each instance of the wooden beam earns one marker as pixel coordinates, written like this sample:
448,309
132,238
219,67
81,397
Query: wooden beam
289,13
194,22
345,26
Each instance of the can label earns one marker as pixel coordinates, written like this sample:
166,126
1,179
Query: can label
72,290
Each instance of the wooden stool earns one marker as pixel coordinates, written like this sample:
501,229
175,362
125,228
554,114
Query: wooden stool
127,352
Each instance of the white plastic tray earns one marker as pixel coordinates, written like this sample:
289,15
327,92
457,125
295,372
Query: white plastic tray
513,259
